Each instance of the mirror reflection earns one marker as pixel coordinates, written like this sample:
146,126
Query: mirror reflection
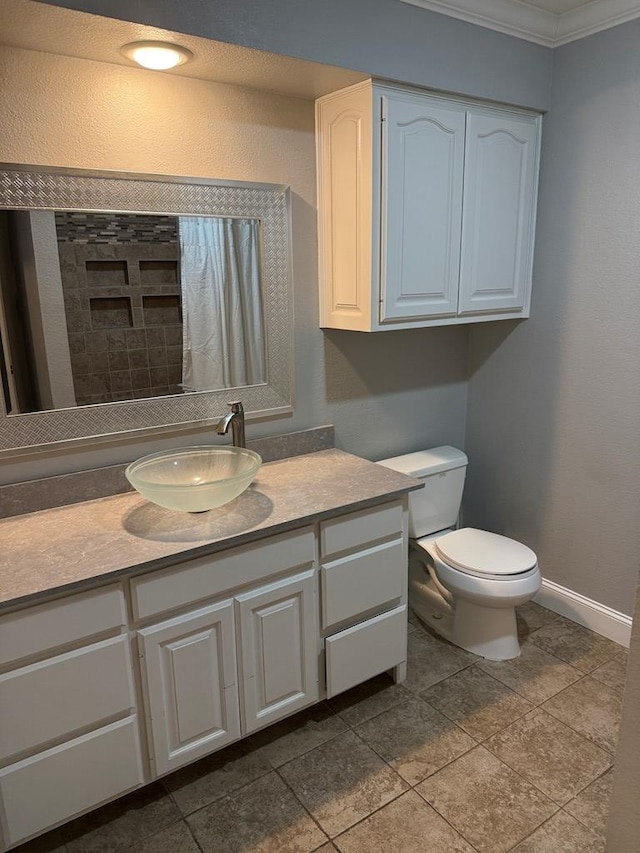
106,307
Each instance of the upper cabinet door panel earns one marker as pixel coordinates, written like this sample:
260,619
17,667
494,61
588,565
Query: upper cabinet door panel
422,176
499,212
345,185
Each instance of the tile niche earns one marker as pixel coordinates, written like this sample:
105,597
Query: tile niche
121,285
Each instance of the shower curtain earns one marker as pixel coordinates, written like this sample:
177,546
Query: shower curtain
223,336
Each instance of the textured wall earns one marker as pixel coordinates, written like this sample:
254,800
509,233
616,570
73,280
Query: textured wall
385,393
554,402
380,37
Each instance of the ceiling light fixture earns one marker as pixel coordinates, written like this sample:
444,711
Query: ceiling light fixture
157,55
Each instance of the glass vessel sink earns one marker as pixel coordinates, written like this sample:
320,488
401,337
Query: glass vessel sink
194,479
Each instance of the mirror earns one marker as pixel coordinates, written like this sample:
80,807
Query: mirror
134,302
106,307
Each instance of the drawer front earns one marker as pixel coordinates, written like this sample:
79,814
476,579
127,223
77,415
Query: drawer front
35,630
360,528
363,581
58,784
366,650
56,697
197,580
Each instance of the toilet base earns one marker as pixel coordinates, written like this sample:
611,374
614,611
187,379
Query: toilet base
490,632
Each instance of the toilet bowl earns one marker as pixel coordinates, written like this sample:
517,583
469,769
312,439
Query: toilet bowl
479,615
464,583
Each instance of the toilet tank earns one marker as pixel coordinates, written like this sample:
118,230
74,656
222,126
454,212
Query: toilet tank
436,506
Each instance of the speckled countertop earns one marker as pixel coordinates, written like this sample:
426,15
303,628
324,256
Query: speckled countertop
74,547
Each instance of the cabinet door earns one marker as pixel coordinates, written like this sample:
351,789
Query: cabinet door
421,199
278,641
191,685
501,173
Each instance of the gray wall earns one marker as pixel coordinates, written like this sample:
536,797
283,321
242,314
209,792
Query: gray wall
380,37
554,401
386,393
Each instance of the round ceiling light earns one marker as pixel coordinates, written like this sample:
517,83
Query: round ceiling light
156,55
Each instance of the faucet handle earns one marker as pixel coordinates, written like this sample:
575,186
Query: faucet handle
236,406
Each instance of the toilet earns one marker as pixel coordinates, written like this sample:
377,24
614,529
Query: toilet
464,583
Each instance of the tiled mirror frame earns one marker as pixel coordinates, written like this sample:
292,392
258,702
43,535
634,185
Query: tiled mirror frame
46,188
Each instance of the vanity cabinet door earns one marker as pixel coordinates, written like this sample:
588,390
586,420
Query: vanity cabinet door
501,176
421,201
191,685
278,649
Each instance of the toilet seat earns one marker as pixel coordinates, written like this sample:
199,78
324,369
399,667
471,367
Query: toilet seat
485,555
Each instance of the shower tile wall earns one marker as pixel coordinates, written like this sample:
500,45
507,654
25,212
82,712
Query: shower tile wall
120,277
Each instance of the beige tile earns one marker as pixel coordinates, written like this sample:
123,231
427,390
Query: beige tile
342,782
409,825
550,755
561,834
296,735
263,817
486,802
575,644
415,739
215,776
591,708
174,839
478,703
591,806
613,673
52,842
431,659
536,675
531,617
119,825
326,848
369,699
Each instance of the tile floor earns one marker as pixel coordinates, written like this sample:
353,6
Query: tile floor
467,755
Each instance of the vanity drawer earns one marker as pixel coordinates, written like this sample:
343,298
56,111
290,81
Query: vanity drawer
367,649
38,629
207,577
363,581
56,697
58,784
360,528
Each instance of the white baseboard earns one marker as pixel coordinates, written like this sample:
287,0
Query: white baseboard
597,617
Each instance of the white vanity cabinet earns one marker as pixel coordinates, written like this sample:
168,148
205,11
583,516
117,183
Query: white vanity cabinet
223,670
103,691
426,209
69,737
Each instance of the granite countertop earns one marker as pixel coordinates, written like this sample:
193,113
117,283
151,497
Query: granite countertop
74,547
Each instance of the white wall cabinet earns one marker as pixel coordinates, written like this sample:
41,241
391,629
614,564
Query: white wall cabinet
226,644
426,209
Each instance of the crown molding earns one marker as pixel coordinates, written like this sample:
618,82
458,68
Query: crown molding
525,21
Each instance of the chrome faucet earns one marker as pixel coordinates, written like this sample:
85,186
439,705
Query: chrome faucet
235,419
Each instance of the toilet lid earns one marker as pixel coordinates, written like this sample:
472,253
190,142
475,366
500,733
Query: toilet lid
479,552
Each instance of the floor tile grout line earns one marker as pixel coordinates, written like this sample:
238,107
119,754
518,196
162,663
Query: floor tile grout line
302,805
445,819
611,752
530,782
155,831
498,731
